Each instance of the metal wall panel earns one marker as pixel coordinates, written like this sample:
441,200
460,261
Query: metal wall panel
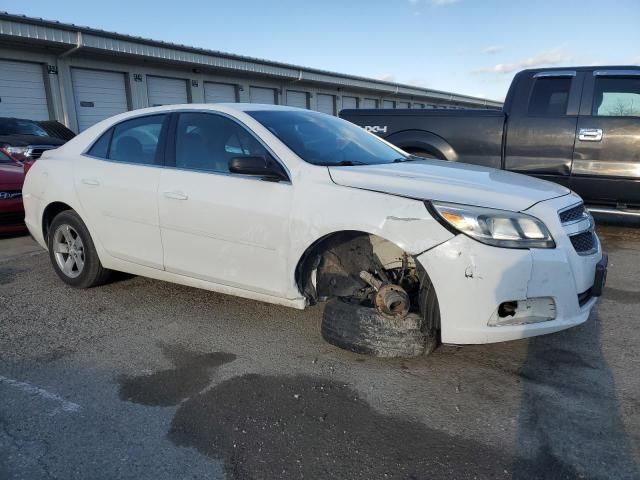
22,91
166,91
262,95
219,93
297,99
326,103
98,95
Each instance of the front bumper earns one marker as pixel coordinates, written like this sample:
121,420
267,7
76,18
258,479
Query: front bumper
472,279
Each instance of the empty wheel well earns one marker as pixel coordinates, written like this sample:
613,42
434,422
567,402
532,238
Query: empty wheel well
49,214
331,266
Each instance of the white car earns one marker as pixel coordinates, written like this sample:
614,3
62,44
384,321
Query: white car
291,206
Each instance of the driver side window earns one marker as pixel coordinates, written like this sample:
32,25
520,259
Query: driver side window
206,142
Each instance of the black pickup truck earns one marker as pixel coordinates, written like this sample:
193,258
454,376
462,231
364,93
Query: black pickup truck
577,126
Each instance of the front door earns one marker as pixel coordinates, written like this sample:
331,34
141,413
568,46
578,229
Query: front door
542,126
217,226
117,183
606,164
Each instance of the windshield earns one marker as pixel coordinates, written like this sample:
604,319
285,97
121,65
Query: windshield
14,126
321,139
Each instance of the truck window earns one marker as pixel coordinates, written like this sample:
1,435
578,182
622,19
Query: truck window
616,97
550,96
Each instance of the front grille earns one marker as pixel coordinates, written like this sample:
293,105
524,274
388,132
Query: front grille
573,214
583,242
12,218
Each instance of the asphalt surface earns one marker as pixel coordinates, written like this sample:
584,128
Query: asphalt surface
143,379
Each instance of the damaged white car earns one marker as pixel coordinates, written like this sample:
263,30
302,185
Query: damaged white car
294,207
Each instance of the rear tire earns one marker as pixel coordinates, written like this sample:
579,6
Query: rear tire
73,253
363,330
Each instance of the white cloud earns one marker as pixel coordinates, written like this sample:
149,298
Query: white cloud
493,49
414,2
440,3
555,56
387,77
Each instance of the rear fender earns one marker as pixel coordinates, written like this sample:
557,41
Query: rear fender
426,141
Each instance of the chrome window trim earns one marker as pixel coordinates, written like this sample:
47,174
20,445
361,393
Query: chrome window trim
616,73
556,73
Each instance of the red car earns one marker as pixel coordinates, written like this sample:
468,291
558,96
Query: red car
11,210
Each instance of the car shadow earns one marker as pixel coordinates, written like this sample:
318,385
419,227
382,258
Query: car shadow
569,424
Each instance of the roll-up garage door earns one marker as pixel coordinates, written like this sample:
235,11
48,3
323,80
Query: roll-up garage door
219,93
349,102
166,91
262,95
22,92
370,103
326,103
403,104
297,99
417,105
388,104
98,95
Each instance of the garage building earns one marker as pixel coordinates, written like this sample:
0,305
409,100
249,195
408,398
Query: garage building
80,75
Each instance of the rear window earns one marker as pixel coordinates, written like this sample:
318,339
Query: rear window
550,96
617,97
16,126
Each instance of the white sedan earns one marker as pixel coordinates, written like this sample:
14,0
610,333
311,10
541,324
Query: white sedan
292,207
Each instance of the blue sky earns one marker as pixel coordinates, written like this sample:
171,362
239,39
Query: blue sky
465,46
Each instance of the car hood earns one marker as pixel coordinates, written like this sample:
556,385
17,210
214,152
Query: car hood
11,176
450,182
26,140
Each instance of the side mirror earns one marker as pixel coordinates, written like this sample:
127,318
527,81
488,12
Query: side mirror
258,166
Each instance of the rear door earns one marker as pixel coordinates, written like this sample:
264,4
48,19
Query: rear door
117,183
606,164
541,127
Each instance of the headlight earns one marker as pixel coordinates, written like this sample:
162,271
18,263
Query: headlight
18,153
500,228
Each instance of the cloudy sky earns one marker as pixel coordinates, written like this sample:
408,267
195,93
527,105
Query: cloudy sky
465,46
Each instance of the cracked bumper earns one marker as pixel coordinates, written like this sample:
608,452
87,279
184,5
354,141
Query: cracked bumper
472,279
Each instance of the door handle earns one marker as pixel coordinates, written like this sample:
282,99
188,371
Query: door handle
590,134
176,195
90,181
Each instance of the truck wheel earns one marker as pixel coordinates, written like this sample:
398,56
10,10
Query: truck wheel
72,252
363,330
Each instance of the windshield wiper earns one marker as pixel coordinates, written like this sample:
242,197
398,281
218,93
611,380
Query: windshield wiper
348,163
410,158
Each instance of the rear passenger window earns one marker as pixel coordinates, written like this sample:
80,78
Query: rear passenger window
100,149
136,141
550,96
207,142
617,97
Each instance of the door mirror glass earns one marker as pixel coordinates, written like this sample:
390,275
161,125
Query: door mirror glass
258,166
